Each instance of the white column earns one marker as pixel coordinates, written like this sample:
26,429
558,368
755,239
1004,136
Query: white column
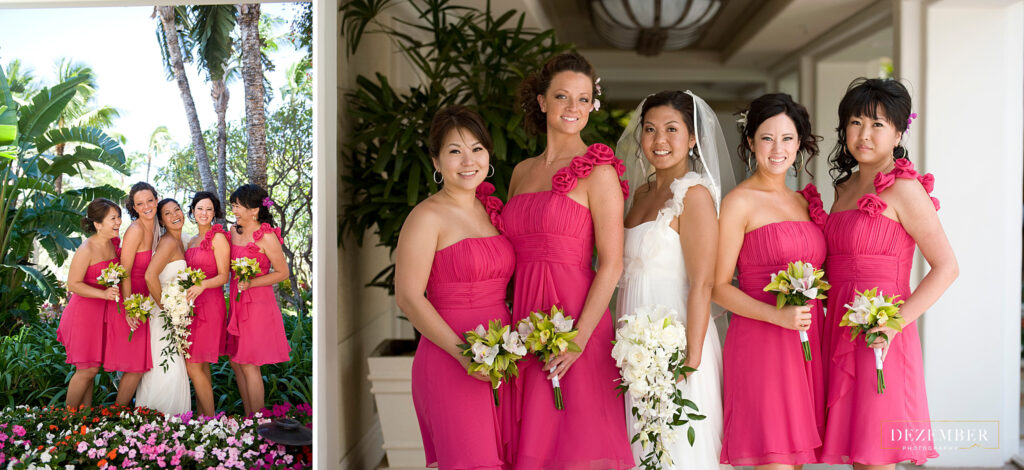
969,94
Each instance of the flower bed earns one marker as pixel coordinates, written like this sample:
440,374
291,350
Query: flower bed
114,437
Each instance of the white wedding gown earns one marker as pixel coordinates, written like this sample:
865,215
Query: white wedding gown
654,274
167,392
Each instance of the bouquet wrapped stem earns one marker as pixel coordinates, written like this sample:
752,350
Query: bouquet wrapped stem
548,334
798,284
872,309
495,352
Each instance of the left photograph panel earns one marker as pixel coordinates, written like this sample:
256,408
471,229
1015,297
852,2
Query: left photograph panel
157,236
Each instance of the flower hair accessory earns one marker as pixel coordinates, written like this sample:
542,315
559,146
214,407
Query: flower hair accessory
910,120
597,86
742,121
267,202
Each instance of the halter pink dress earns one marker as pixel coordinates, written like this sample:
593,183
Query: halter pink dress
553,237
773,397
81,328
120,353
867,250
208,325
255,327
460,425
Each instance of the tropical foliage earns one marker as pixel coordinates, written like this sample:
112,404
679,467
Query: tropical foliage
465,56
36,212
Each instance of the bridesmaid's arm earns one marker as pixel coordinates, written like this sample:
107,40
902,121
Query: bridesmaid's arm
414,256
916,212
129,246
279,265
604,197
161,256
698,234
76,276
731,229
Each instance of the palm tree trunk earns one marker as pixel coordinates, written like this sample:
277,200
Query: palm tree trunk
252,77
220,95
198,144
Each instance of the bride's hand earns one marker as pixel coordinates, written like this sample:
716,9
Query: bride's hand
193,292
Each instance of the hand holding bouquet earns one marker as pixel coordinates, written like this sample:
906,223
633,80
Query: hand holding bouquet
495,351
797,285
547,335
872,309
137,307
650,351
245,269
111,276
190,277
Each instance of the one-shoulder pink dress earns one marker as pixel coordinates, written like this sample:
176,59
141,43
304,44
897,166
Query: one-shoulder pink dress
868,250
459,422
81,329
122,354
208,324
773,397
553,237
255,326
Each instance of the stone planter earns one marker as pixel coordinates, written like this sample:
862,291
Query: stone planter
390,366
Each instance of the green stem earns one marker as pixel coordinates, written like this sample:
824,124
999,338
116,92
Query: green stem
807,350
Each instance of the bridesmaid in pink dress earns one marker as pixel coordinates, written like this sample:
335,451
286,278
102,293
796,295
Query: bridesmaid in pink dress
133,357
773,397
255,327
81,324
209,251
564,203
881,211
452,249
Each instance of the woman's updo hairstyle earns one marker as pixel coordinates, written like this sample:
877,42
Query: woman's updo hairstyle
682,102
129,203
863,98
534,120
456,117
95,212
766,107
251,196
218,211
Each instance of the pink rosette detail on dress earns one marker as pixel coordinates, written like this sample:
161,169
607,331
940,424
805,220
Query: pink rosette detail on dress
601,154
928,181
116,241
264,228
625,188
883,181
563,181
903,168
871,205
207,243
581,167
492,204
935,202
620,167
815,208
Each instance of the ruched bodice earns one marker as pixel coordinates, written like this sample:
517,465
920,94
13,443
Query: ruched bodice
560,230
471,274
769,249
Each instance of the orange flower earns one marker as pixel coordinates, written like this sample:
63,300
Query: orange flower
83,430
112,454
39,448
95,420
53,427
102,463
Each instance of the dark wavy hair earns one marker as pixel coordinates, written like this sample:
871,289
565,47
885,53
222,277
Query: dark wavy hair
768,106
863,98
96,211
456,117
534,120
160,205
251,196
129,203
218,211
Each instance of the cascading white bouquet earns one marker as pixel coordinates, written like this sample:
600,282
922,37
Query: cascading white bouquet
650,349
177,315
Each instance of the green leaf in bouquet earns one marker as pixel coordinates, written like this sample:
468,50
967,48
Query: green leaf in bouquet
695,416
780,301
895,323
689,404
574,347
691,435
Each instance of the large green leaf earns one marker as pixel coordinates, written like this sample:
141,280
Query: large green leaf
110,152
46,107
44,279
211,32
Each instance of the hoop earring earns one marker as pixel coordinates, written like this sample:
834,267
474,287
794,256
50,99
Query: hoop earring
491,172
438,178
750,163
691,152
899,151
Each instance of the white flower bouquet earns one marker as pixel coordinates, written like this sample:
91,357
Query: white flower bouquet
872,309
549,334
177,315
797,285
650,350
495,351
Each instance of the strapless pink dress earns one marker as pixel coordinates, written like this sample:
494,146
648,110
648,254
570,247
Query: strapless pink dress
81,329
120,353
208,324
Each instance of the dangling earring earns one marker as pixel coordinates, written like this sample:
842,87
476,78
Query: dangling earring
438,178
691,152
491,172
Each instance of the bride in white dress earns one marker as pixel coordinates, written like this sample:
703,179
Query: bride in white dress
671,149
166,391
